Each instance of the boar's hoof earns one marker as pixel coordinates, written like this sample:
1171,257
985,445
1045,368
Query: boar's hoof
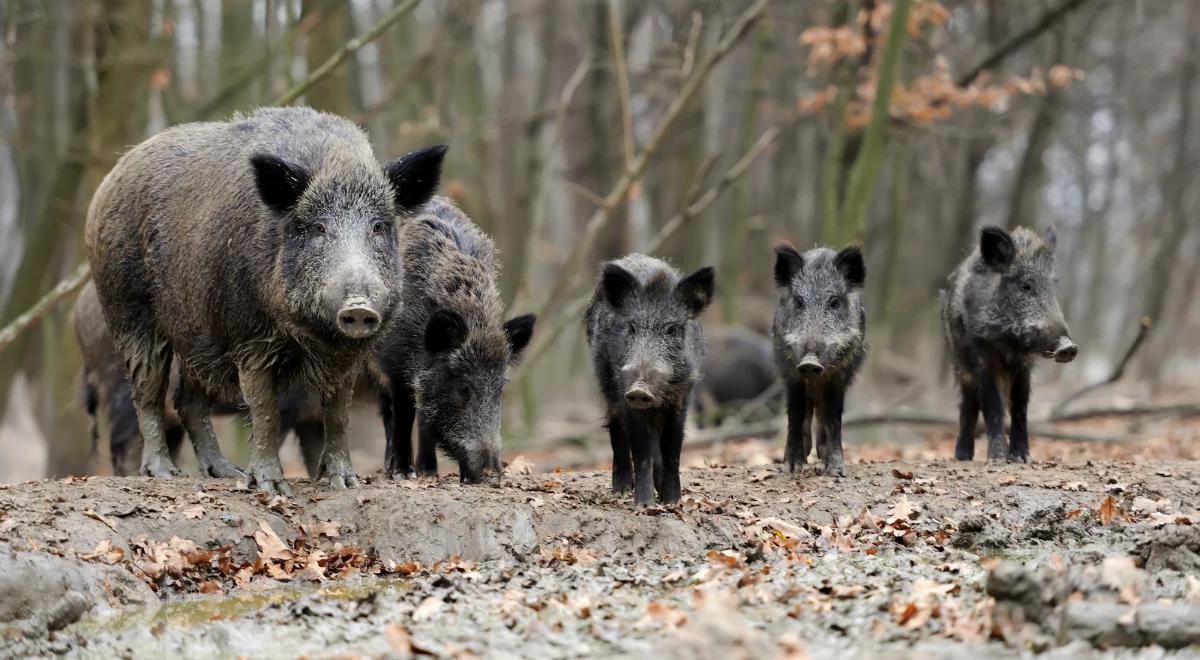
269,479
340,474
622,483
221,468
835,468
1019,457
963,455
343,481
402,476
158,466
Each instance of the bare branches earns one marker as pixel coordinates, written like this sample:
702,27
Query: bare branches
346,51
1144,325
1020,40
61,290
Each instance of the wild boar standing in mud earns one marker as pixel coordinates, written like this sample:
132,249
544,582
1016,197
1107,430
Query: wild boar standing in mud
445,362
820,344
262,253
999,312
647,348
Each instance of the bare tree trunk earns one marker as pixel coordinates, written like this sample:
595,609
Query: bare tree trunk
1025,199
329,33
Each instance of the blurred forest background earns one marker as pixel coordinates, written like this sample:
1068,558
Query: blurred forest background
704,131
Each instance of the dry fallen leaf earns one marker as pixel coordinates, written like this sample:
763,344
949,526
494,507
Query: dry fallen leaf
210,587
316,529
193,512
399,639
519,465
1108,510
907,476
270,546
105,552
96,516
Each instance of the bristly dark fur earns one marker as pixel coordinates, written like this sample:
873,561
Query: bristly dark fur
646,342
245,249
446,360
1000,311
820,343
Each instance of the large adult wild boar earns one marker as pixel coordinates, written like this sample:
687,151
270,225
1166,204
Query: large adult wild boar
262,253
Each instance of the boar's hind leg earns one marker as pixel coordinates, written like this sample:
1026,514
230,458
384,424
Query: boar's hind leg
799,432
832,402
398,409
670,446
1018,451
262,396
622,458
335,461
968,416
992,403
311,436
148,366
194,412
641,437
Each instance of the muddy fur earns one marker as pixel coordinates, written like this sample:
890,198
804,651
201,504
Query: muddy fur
235,247
819,336
999,312
647,347
446,360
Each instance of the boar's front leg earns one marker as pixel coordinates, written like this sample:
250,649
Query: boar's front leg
832,404
1018,451
641,436
992,403
622,459
262,396
195,409
670,447
398,423
968,416
335,462
799,431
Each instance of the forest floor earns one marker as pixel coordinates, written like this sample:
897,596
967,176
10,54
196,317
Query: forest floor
911,555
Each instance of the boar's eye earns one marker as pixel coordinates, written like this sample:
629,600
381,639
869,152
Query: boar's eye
1026,287
834,303
380,227
799,302
630,328
319,227
672,329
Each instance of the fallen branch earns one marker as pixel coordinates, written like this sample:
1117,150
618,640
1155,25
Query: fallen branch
1147,410
1144,325
346,51
74,281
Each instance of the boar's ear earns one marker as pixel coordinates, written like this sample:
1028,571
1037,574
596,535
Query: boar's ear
446,331
696,290
617,283
788,262
996,247
279,184
415,177
1051,238
850,264
519,331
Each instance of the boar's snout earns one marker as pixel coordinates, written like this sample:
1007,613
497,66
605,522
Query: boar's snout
810,366
639,396
357,319
1065,350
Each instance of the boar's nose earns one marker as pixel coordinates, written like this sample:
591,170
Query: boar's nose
1066,350
357,319
810,366
639,396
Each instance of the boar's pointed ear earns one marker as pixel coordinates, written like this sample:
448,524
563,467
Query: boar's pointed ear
279,184
617,283
788,262
1051,238
446,331
415,177
696,290
519,331
850,264
996,247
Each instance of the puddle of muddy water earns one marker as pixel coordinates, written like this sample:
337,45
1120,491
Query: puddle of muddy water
193,611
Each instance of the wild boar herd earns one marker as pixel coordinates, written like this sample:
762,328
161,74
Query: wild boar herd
265,265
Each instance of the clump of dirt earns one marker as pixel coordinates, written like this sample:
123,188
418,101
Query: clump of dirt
754,561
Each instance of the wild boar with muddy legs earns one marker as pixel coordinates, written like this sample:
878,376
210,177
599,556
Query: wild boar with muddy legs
647,347
260,252
1000,312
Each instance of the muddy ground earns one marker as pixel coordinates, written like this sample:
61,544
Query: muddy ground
927,558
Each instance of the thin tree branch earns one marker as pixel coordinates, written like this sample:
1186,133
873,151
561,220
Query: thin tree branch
346,51
1144,325
61,290
1020,40
621,64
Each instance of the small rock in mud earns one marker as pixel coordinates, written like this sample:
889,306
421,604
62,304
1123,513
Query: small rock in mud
977,531
1052,524
1173,547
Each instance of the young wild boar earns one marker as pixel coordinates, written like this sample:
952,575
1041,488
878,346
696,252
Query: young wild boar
820,343
262,254
999,311
445,361
738,368
647,347
107,397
